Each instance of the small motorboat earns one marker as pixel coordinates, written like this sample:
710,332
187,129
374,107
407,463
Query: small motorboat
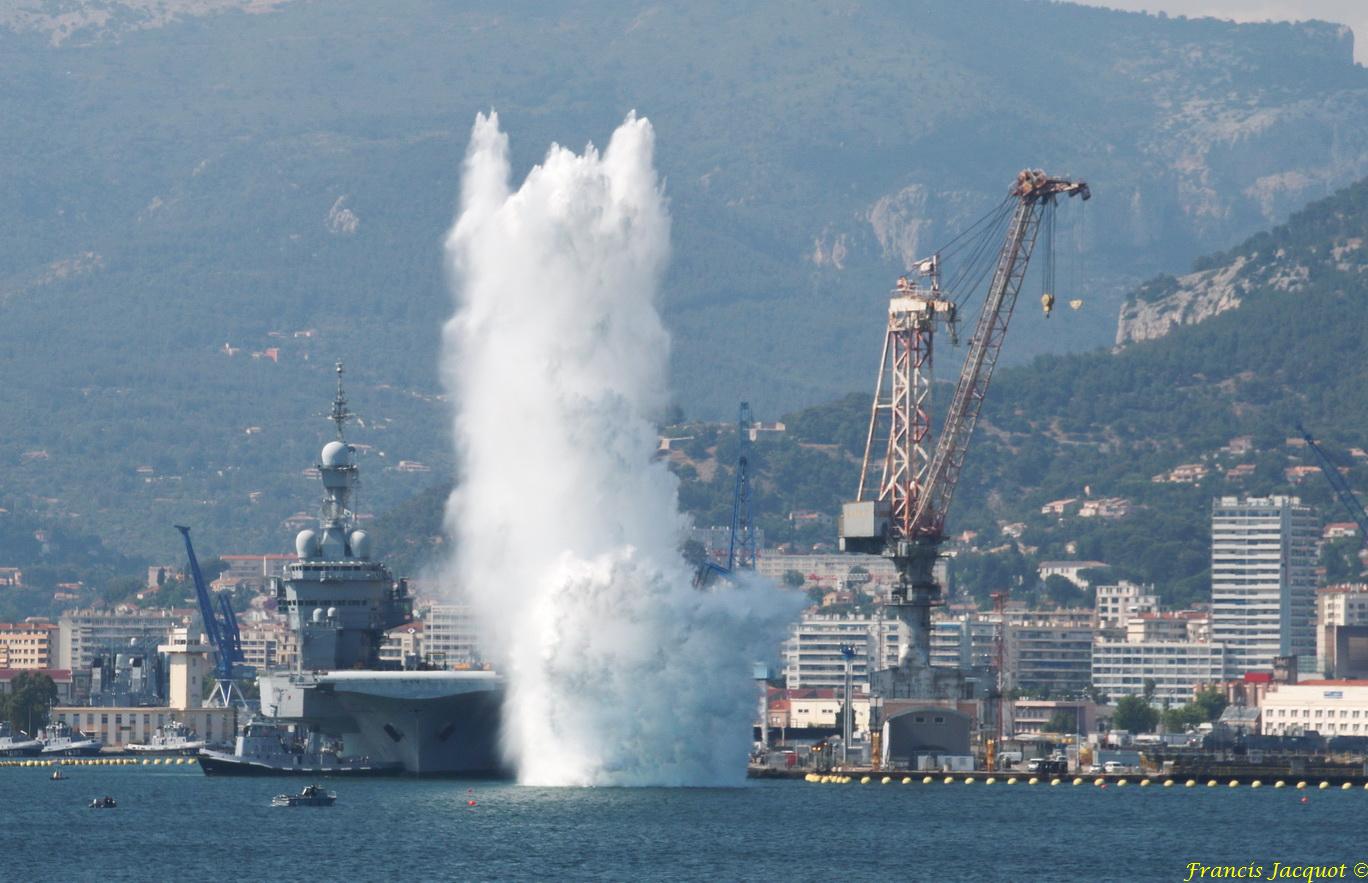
103,803
57,776
312,795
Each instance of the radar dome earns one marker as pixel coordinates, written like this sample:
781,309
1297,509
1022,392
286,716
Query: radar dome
360,545
306,544
332,613
336,453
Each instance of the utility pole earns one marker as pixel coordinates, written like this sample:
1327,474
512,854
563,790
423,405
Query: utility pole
848,653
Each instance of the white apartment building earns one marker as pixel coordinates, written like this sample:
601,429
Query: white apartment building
965,641
450,636
84,634
1116,604
1263,581
1331,708
1338,605
812,653
1178,668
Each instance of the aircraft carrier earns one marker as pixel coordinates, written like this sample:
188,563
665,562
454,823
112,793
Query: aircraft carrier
339,602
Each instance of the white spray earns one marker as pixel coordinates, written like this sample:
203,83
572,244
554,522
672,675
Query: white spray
619,671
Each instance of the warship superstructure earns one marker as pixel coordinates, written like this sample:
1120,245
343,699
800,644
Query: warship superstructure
339,601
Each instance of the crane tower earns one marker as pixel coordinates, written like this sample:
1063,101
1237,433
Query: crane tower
906,485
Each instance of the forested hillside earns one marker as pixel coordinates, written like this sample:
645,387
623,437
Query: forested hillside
204,208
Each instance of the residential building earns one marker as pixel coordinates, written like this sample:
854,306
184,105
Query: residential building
403,644
1341,605
1182,625
268,644
84,634
965,641
68,687
1070,570
1328,707
1115,605
828,570
1050,653
1263,581
1178,668
1106,507
449,635
812,653
27,644
11,577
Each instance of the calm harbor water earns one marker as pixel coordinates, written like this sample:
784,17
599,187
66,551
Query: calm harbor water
175,824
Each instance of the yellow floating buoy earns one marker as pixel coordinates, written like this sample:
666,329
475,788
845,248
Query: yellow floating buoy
1011,780
1033,781
1054,782
1324,785
1346,786
1256,784
990,780
1078,780
1212,783
1168,783
1099,781
968,780
1144,783
926,780
907,780
885,780
864,780
1234,783
1301,785
1120,782
1280,784
949,780
1190,783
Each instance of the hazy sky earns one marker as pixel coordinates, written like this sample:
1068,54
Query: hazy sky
1353,13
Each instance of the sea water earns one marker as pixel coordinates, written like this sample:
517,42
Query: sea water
176,824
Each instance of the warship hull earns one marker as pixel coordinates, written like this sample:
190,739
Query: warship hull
219,763
430,723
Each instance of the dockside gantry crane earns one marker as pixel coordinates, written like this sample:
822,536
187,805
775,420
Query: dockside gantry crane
905,486
1341,487
221,628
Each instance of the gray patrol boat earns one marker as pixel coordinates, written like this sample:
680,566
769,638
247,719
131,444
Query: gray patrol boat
340,602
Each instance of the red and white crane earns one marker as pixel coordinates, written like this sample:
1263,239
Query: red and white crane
906,485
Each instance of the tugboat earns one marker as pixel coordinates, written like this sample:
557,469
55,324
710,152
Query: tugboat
312,795
60,739
16,744
271,749
173,738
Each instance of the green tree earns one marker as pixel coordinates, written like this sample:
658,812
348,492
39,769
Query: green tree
26,705
1135,715
793,579
1061,722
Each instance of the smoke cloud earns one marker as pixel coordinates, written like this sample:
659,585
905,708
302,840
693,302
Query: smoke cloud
619,672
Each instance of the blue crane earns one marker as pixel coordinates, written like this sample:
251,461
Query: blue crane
221,627
741,549
1342,489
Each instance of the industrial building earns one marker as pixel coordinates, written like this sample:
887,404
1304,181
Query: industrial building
1263,581
1328,707
189,672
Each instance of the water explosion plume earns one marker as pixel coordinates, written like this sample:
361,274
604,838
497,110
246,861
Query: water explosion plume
619,672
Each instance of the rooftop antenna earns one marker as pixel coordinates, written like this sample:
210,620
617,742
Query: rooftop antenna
340,415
